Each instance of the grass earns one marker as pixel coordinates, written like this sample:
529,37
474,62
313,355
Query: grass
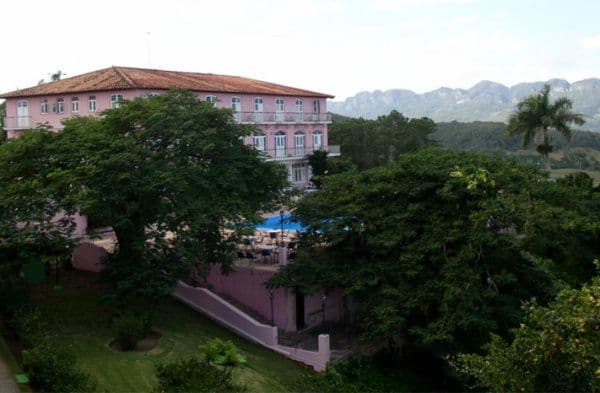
12,364
556,173
78,319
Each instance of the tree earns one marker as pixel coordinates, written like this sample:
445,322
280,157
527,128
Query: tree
536,115
319,165
443,247
370,143
168,173
555,349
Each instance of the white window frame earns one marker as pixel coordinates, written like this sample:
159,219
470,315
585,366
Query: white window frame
152,94
298,173
299,143
92,104
59,105
75,104
236,106
44,106
212,99
260,142
279,148
317,137
279,109
317,106
299,109
259,106
116,100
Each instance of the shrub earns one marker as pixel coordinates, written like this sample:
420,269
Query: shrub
223,353
130,328
194,375
51,368
555,349
29,324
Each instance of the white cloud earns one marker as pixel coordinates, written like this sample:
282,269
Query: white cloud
591,42
400,5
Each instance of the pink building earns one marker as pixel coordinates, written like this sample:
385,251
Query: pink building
290,123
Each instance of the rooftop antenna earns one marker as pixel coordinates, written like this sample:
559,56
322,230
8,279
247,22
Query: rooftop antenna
149,58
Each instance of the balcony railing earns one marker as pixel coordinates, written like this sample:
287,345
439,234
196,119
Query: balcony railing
281,117
291,153
18,123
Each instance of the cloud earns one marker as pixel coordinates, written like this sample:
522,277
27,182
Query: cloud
591,42
400,5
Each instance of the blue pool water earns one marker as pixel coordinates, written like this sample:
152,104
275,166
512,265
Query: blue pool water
273,223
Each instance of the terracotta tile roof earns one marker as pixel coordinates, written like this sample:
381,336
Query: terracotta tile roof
123,78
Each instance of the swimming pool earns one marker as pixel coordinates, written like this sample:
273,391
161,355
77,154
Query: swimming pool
273,223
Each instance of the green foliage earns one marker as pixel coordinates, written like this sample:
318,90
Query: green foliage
353,376
130,328
444,247
2,115
194,375
223,353
170,164
535,115
319,164
52,369
556,348
370,143
29,324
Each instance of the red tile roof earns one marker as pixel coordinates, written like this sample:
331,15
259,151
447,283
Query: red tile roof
124,78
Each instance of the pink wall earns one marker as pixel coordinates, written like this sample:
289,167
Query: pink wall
88,257
246,285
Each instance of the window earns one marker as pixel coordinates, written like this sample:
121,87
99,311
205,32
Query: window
75,104
298,172
279,108
259,142
280,142
299,143
44,106
258,109
152,94
116,100
317,106
317,140
236,106
92,103
59,106
211,99
299,110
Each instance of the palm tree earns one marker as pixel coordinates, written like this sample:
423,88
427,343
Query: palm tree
536,115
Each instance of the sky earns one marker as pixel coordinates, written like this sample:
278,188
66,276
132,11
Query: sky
331,46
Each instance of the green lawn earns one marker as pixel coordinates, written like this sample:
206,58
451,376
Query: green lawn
79,320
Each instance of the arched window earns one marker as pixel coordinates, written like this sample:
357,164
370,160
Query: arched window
280,144
299,110
260,141
299,143
317,140
279,109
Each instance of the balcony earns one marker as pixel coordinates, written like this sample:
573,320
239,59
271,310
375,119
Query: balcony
298,152
282,117
18,123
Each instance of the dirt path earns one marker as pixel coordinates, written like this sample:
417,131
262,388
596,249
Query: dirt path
7,382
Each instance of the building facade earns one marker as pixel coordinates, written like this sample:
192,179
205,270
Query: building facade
290,123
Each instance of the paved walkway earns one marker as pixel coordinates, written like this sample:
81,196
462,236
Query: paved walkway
7,382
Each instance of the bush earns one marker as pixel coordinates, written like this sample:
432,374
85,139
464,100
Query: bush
194,375
131,328
555,349
29,324
53,369
221,352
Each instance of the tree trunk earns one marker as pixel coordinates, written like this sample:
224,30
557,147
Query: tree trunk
547,164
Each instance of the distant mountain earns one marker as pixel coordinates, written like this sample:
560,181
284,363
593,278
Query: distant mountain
486,101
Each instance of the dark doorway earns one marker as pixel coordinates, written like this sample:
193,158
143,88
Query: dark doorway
300,322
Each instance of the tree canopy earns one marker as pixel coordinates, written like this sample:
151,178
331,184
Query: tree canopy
555,349
444,247
167,173
370,143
